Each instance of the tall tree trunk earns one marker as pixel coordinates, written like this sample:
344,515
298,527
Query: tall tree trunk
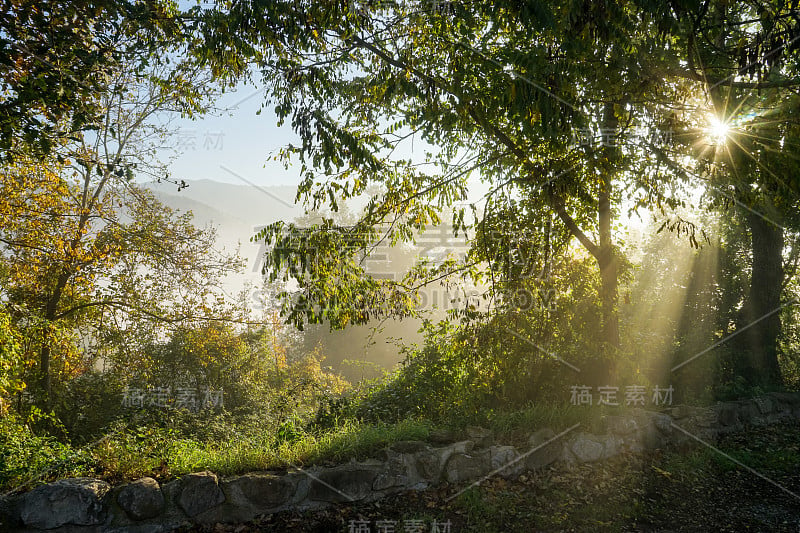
605,368
608,270
765,300
607,260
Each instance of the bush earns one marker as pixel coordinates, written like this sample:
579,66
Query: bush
27,459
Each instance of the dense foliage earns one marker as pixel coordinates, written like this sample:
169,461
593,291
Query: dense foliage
121,356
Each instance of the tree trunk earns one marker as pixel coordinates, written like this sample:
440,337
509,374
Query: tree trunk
605,254
50,312
765,301
607,263
607,260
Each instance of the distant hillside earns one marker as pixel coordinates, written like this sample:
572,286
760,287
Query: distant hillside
236,211
250,205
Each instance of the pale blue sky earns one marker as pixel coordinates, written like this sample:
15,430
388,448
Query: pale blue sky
235,146
239,140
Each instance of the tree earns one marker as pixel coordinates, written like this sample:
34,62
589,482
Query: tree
58,59
11,359
746,56
90,251
499,90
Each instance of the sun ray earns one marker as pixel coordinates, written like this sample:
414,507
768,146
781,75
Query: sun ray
759,164
718,130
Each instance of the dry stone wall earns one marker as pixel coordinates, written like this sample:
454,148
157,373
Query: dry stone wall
145,506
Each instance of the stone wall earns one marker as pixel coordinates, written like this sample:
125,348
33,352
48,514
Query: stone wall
89,505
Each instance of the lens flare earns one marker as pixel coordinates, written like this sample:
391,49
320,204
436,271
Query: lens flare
717,130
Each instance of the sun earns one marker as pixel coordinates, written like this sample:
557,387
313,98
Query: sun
718,130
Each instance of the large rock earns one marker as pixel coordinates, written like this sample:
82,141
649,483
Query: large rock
429,464
542,450
785,400
409,446
588,448
646,438
749,414
399,471
505,461
482,437
141,499
621,425
764,404
346,483
442,436
259,491
199,492
9,513
727,415
75,501
467,467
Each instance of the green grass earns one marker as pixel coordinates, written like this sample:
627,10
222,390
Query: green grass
134,453
153,450
350,441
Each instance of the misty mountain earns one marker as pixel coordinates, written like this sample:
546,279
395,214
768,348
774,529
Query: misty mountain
236,211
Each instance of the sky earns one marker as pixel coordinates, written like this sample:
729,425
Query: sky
237,146
234,145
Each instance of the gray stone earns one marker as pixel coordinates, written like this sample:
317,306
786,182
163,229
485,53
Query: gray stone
140,528
647,438
172,491
346,483
141,499
539,454
749,412
442,436
199,492
620,425
75,501
463,467
612,445
786,400
662,423
9,513
764,404
400,472
428,464
78,504
384,481
302,484
505,461
586,448
705,419
464,446
727,414
258,491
